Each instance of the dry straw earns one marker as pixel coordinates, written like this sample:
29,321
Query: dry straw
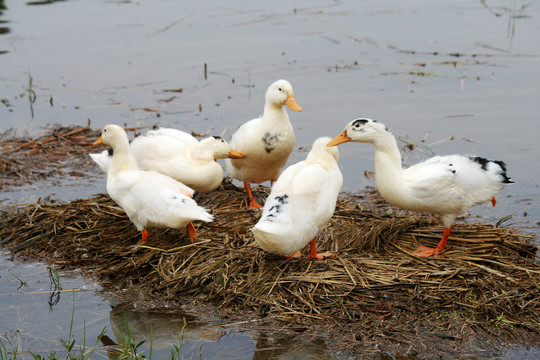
488,275
486,271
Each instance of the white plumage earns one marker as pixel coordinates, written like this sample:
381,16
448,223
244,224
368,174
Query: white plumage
179,155
301,202
266,142
103,159
443,185
150,199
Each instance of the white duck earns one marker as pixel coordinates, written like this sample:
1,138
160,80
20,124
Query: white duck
302,200
444,185
179,155
150,199
103,159
266,142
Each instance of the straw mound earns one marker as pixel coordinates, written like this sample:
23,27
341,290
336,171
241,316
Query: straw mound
488,275
59,151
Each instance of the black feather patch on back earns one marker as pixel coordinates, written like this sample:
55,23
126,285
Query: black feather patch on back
482,161
275,209
484,164
110,151
506,179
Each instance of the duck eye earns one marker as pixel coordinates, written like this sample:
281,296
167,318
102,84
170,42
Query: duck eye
279,89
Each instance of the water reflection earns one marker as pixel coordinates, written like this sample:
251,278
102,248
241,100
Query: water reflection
203,339
515,10
284,347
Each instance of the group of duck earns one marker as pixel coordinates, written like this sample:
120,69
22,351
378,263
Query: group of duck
154,177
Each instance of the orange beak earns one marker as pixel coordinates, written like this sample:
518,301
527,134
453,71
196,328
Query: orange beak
98,141
235,154
291,102
340,139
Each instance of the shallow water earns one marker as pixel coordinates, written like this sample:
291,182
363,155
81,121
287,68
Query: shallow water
35,317
427,69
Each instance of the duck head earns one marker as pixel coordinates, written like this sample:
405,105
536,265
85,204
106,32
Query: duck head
113,135
220,148
319,146
360,130
281,93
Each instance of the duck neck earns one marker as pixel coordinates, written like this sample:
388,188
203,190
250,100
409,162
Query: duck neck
388,170
321,156
122,159
202,152
276,112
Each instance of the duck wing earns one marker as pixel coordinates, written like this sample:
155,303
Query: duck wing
433,182
156,200
456,182
304,197
160,153
178,135
103,159
247,136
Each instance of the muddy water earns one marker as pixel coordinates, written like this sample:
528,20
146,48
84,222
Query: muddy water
430,70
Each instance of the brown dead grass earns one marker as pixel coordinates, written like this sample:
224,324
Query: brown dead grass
488,275
373,294
59,151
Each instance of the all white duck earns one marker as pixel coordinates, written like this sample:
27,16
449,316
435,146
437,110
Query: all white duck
265,142
150,199
179,155
443,185
302,201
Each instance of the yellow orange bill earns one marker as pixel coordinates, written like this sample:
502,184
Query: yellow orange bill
340,139
291,102
235,154
98,141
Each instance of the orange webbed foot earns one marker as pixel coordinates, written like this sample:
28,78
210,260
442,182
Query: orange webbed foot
493,201
313,252
254,205
191,232
424,251
322,256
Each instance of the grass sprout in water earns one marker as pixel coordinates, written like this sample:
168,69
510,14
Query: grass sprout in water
132,350
55,287
9,350
21,283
